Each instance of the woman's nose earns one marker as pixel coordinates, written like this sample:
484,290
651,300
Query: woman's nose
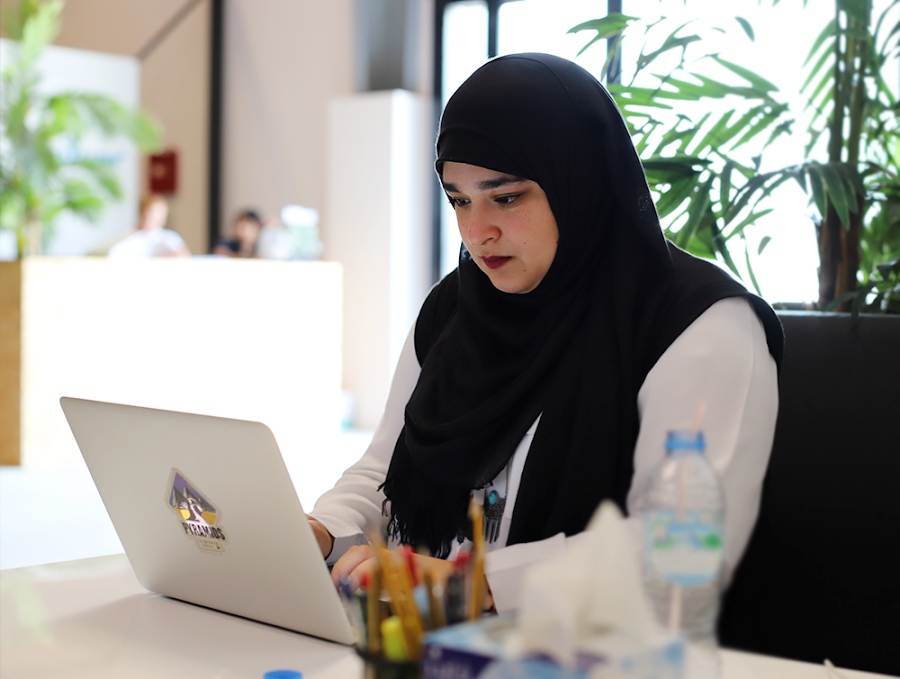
478,228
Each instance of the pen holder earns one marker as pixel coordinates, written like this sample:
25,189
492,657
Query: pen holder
379,667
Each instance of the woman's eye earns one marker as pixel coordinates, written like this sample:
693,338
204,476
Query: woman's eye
457,202
506,200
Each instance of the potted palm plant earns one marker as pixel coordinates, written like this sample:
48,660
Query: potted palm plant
794,594
38,181
710,194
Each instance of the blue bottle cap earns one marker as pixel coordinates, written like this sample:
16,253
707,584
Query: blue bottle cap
282,674
685,440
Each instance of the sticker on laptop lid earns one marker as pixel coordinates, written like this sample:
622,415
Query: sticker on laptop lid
199,517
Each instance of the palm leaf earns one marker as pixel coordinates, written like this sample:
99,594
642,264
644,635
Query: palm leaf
757,81
765,121
80,198
816,70
836,191
610,26
717,135
674,197
750,271
39,29
748,29
751,219
103,174
761,184
697,211
671,42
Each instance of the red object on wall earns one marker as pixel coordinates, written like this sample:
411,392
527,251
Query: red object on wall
162,172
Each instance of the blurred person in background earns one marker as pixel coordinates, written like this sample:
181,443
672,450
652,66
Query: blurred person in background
151,239
244,241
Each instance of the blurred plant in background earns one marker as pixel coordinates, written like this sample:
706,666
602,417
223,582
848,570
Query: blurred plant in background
38,179
707,168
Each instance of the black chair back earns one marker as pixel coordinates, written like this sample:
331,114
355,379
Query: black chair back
821,575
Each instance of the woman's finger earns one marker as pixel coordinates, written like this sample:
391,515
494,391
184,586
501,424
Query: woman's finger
349,562
366,567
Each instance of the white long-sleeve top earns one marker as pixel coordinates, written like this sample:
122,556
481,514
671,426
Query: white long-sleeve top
721,360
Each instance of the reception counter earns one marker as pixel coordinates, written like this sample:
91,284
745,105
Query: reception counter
252,339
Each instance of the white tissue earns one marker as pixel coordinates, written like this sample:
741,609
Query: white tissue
590,592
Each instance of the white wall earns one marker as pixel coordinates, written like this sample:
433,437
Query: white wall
285,60
175,88
287,64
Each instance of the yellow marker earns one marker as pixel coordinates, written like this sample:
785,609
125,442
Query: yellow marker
394,640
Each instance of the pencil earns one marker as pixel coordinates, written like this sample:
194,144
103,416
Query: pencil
373,612
398,581
476,603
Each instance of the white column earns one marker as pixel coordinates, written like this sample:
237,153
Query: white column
380,180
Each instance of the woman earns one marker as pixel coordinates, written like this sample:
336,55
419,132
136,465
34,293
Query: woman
544,372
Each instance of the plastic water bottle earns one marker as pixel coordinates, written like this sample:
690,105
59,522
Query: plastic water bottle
683,518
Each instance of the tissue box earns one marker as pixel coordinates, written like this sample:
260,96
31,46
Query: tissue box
487,650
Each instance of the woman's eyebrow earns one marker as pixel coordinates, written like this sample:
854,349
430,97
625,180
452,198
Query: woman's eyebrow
497,182
486,184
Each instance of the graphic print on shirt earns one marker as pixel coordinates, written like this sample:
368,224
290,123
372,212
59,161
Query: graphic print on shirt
199,517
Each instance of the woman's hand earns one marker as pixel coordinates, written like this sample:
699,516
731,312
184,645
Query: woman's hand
361,559
357,560
323,537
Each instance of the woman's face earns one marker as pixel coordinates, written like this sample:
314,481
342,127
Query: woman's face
155,216
246,230
505,223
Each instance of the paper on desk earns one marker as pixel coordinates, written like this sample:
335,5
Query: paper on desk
588,591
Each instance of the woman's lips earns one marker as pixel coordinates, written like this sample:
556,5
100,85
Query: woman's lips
495,262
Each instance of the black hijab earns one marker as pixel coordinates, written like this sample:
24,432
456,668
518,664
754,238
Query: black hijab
574,350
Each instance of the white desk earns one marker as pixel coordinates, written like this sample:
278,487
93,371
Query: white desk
91,619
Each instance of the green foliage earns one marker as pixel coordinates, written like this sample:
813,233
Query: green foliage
40,178
708,191
880,293
712,184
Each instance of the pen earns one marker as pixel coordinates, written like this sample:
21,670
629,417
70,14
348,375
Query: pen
456,591
438,618
351,606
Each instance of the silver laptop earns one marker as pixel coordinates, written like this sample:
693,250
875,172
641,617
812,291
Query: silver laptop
206,511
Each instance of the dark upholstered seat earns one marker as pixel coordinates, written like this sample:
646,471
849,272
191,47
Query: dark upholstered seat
821,575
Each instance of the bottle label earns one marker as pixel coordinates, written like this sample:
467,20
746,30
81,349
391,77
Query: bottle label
686,550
